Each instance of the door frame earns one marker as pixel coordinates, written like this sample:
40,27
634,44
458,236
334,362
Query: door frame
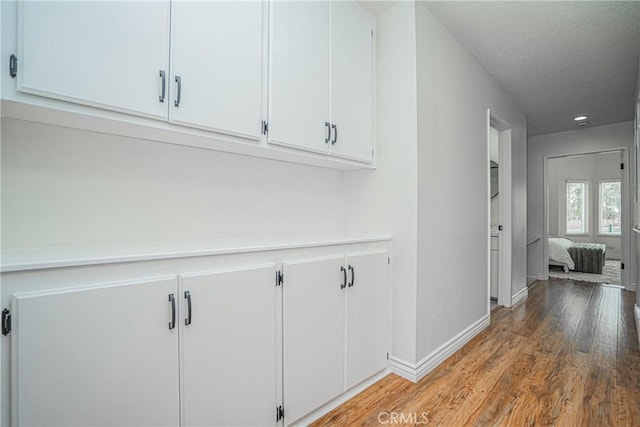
625,241
505,202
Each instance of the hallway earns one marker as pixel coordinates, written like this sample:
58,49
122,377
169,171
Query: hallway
568,355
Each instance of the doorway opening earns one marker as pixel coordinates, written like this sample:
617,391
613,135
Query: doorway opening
499,212
586,217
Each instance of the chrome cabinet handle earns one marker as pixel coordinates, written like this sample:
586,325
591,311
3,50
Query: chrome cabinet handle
335,134
172,300
187,295
328,137
353,276
176,103
164,85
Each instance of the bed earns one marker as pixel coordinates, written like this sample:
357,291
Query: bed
577,256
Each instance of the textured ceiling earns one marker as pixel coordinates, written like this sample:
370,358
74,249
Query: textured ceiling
557,59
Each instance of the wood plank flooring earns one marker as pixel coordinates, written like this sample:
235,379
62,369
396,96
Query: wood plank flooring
567,356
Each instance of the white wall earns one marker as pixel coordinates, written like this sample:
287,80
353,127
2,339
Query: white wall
454,93
69,187
385,200
580,141
592,168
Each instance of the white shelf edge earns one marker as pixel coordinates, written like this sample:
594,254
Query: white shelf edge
48,258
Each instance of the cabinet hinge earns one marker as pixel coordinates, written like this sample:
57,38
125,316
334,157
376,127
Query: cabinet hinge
387,356
279,278
13,66
265,127
279,413
621,165
6,322
388,260
622,266
371,33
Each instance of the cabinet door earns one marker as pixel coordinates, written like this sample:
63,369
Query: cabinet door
218,51
229,347
95,356
313,310
107,54
367,316
352,80
299,76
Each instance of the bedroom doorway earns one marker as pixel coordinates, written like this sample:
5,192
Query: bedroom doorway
499,212
586,217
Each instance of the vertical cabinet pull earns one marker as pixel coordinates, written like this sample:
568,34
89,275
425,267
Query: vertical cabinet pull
328,137
187,296
172,300
179,93
344,277
353,276
335,134
164,85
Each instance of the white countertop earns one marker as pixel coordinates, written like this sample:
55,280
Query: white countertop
56,257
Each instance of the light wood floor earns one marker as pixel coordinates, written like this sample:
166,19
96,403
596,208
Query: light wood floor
568,356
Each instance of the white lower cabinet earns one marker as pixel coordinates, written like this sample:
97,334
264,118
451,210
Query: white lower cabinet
243,344
122,355
367,316
229,347
313,333
103,355
335,320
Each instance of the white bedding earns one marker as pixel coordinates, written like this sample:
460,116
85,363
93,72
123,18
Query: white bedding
558,252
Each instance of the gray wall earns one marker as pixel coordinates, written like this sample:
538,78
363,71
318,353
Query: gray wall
454,93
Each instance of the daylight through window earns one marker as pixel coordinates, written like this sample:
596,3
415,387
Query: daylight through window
577,207
610,207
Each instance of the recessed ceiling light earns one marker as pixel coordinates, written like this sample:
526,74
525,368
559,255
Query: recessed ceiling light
579,118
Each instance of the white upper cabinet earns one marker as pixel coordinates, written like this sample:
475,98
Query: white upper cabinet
108,54
218,55
218,75
321,79
299,77
351,81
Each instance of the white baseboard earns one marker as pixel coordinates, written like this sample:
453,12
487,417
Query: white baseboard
631,287
520,296
415,371
637,310
333,404
540,276
531,279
